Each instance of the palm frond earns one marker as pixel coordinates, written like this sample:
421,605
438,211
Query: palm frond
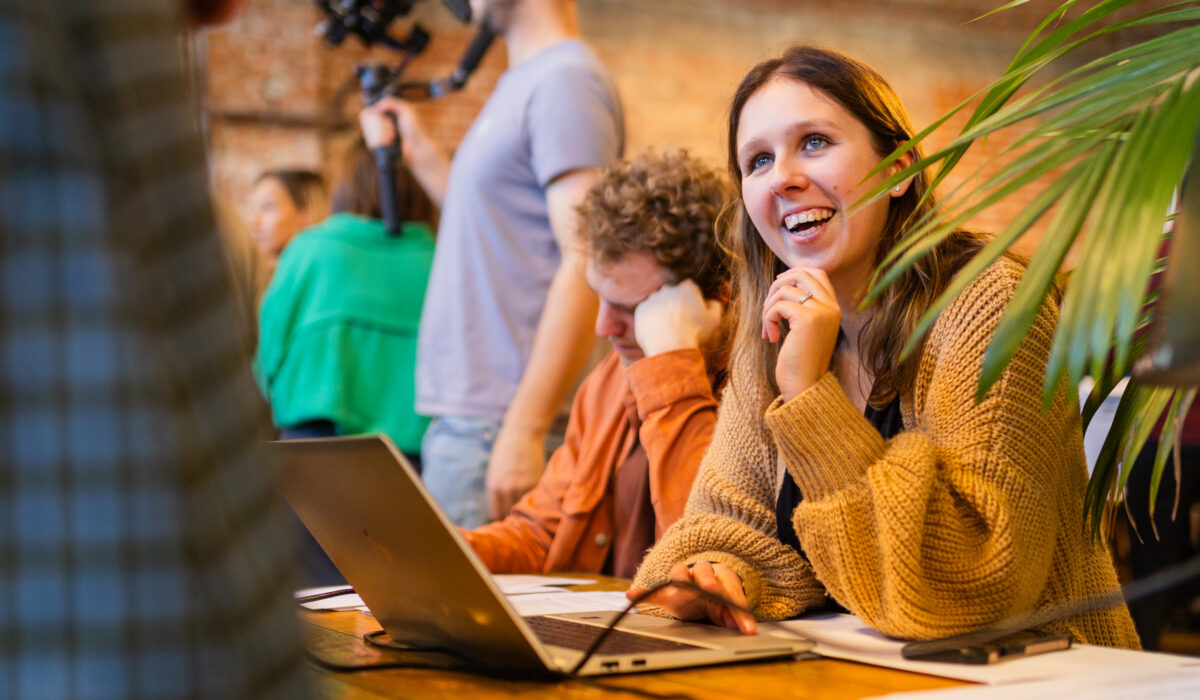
1168,444
1032,59
1108,285
1107,142
1031,293
1137,413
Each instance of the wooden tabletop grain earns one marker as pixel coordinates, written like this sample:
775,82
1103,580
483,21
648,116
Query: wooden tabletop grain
336,637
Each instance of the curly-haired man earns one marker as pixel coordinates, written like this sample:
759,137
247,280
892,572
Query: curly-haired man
644,417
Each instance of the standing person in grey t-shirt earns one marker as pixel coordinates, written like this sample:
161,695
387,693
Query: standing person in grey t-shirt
507,291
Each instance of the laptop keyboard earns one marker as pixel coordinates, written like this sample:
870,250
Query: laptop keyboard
575,635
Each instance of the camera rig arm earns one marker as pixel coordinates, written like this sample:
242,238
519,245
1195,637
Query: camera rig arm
468,63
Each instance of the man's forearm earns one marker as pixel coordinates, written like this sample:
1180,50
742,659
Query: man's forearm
561,346
431,168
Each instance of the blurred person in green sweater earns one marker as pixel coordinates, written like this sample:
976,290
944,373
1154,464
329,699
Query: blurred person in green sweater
338,323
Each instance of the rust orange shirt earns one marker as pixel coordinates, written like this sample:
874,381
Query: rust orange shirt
566,522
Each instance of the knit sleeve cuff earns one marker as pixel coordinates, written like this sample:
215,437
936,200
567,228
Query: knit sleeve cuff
824,441
663,380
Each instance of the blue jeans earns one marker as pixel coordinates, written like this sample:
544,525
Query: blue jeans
454,457
454,461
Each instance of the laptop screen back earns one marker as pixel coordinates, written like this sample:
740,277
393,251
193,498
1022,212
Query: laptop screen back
368,510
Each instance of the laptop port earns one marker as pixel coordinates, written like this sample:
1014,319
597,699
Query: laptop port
609,665
639,662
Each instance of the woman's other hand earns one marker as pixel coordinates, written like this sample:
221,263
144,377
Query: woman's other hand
805,298
686,604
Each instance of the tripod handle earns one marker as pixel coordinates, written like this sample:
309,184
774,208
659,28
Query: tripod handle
386,158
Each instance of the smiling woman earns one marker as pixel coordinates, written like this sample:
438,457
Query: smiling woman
840,468
800,177
841,118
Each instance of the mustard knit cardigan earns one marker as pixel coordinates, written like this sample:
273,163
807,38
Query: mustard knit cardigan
972,514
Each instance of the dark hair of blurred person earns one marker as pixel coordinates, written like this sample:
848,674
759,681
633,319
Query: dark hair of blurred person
357,189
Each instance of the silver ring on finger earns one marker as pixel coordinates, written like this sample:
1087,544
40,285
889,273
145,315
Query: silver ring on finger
804,297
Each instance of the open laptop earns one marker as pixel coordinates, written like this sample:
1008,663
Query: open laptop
367,508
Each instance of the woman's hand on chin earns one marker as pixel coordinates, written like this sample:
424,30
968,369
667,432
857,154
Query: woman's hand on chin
805,298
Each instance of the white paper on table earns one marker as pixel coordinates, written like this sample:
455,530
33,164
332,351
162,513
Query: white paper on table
846,637
566,601
1181,683
349,601
520,584
531,595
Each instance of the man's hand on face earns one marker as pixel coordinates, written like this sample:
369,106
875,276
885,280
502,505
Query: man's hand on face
675,317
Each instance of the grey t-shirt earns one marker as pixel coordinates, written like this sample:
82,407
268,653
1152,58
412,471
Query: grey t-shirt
496,254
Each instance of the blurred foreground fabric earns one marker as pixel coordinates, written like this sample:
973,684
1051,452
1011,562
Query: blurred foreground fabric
142,546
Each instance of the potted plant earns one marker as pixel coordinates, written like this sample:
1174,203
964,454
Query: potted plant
1113,138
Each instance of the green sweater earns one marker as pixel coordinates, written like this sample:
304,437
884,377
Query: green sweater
338,328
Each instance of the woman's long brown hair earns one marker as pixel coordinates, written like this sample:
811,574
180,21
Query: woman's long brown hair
894,314
357,190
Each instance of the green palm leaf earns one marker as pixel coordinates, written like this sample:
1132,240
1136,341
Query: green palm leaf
1102,304
1168,444
1029,61
927,233
1043,267
1139,410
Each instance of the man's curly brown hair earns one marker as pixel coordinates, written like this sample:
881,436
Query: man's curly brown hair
662,204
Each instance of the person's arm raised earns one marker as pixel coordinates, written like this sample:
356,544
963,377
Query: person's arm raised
674,392
561,346
429,165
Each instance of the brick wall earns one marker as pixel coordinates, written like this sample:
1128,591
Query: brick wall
277,96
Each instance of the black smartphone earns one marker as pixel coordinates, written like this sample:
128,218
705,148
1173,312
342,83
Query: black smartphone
1024,643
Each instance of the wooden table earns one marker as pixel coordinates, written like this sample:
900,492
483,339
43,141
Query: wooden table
334,634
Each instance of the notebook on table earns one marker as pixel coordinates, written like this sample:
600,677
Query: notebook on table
367,508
